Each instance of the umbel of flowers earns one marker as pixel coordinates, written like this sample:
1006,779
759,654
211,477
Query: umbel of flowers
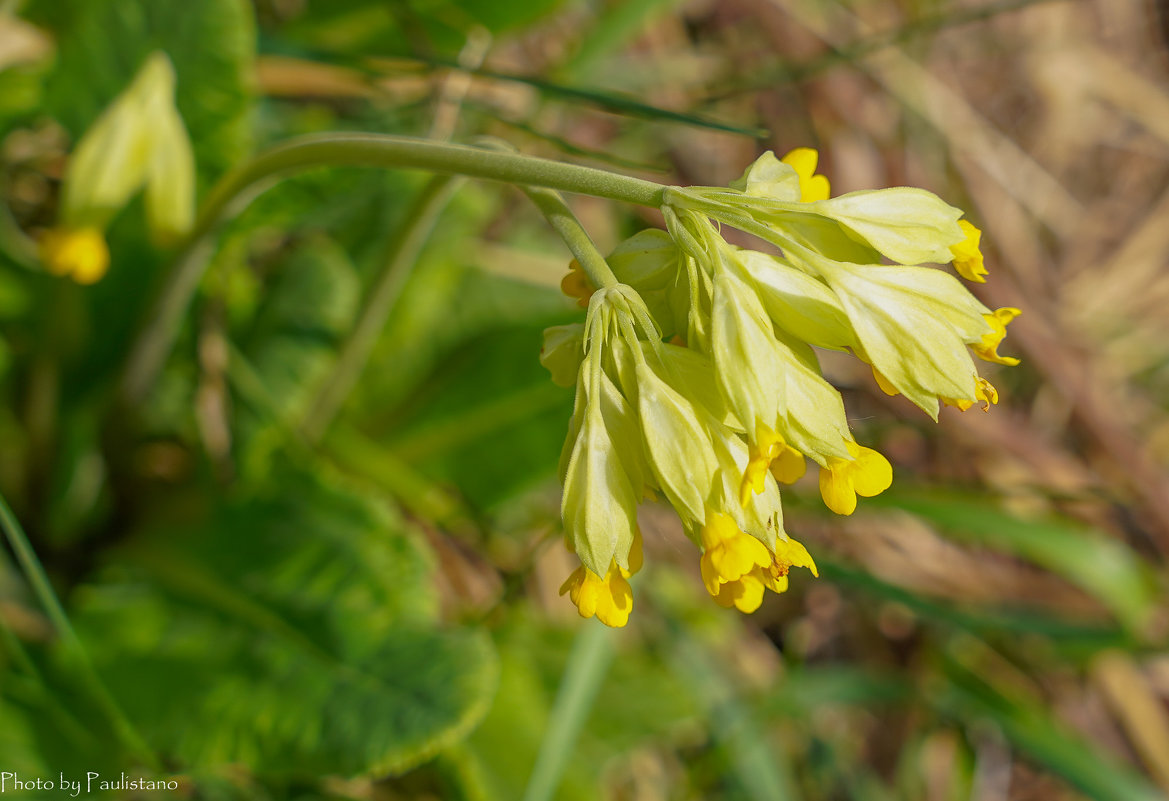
696,379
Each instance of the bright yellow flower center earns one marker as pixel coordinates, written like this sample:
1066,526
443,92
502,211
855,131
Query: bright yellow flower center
78,253
728,554
987,349
610,599
576,285
812,187
968,256
868,473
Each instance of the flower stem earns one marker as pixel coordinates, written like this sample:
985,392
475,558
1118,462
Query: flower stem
239,187
565,223
584,674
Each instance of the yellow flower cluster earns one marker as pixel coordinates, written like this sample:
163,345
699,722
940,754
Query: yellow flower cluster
696,377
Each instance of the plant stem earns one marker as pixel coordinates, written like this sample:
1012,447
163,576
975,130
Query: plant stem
565,223
239,187
587,665
52,605
403,252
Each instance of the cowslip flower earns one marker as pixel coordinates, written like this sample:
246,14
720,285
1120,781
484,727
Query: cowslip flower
697,380
139,142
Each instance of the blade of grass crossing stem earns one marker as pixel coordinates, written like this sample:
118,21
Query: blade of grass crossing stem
35,574
757,763
588,663
401,256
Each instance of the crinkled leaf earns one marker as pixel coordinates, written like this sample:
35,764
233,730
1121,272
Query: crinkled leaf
293,633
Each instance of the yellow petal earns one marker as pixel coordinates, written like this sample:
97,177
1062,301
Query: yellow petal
775,581
958,403
745,594
967,255
987,349
710,577
815,188
812,187
789,467
80,254
576,285
871,473
884,383
836,488
615,600
985,392
794,553
766,447
636,554
803,160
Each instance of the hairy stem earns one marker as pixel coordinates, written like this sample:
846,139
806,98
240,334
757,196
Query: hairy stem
240,186
565,223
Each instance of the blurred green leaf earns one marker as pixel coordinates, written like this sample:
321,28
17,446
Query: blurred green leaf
102,43
1070,635
972,693
642,698
290,632
500,17
1102,566
293,340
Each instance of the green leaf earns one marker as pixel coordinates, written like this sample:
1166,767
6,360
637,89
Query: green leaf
293,633
293,341
102,43
972,693
1102,566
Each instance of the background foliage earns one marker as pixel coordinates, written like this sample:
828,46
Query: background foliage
372,614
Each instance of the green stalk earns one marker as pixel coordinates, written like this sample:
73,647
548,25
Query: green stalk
565,223
403,252
239,187
587,665
52,605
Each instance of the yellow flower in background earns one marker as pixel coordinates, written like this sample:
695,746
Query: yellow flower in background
138,142
576,285
77,253
812,187
968,256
